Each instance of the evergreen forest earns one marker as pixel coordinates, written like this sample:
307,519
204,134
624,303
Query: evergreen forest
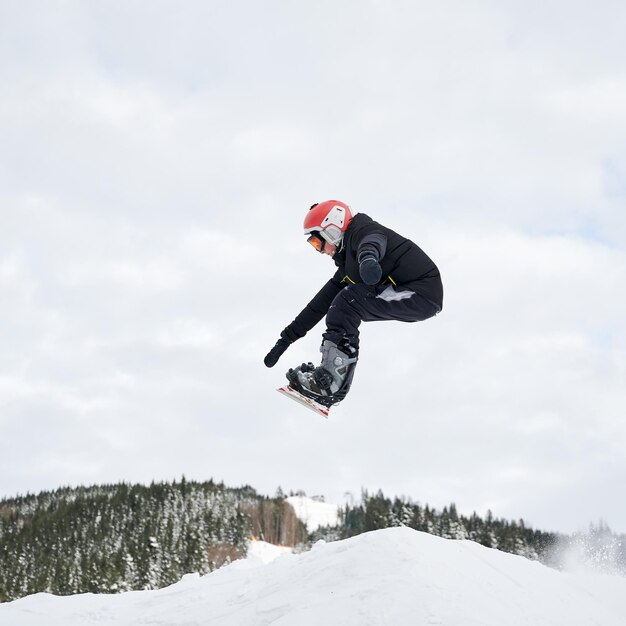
113,538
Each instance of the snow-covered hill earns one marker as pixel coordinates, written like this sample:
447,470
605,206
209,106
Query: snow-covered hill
388,577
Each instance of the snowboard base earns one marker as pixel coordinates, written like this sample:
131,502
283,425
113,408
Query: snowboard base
309,403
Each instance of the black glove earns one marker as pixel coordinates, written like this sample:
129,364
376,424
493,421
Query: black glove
370,270
276,352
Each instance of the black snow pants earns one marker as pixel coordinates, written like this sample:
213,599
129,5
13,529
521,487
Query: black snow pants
359,303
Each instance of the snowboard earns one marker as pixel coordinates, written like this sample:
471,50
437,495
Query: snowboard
309,403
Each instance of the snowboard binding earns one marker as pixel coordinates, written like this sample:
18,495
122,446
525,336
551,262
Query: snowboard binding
329,383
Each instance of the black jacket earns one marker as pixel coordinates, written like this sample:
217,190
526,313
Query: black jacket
404,265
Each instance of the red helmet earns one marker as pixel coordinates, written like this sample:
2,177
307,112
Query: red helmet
330,219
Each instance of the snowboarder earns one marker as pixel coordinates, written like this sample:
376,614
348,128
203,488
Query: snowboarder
381,276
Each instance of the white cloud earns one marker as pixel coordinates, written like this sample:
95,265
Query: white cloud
151,274
187,333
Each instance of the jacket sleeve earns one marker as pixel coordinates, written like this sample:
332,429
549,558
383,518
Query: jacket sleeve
314,311
373,244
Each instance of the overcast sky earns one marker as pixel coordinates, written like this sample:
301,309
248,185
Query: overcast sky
156,163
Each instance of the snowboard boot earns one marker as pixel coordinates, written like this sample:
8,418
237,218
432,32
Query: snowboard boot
330,382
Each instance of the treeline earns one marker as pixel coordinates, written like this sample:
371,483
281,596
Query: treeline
377,511
126,537
596,548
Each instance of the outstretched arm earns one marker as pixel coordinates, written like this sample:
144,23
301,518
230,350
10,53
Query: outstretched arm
312,313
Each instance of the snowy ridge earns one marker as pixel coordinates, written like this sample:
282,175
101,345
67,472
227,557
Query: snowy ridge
388,577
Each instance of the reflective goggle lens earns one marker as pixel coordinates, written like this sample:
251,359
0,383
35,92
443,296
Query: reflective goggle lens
317,242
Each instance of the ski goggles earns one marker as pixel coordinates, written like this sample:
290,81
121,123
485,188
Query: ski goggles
317,241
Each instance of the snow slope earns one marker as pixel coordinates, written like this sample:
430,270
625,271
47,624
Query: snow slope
313,512
388,577
261,552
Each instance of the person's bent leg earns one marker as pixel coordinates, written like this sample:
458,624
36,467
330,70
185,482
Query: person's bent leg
346,313
354,304
360,303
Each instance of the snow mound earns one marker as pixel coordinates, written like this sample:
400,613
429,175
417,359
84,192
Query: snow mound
392,576
313,512
261,552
